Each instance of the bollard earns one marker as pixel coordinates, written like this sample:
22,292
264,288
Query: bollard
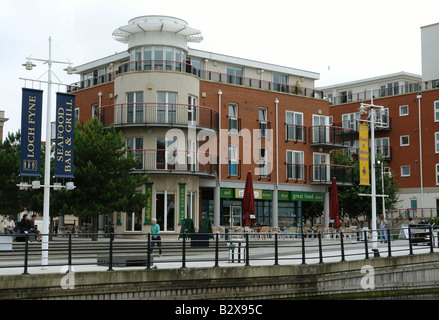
276,253
26,255
389,249
342,246
216,251
320,248
148,258
110,262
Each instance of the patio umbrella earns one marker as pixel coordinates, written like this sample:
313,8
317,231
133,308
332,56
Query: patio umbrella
333,204
248,201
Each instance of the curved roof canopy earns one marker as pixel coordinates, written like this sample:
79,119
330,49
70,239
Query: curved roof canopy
157,23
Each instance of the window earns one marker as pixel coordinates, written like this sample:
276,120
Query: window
382,118
294,123
349,120
133,221
166,107
136,145
191,205
321,171
263,165
234,75
436,142
76,114
405,171
191,155
320,129
233,118
94,110
346,96
233,160
166,153
280,82
382,146
135,107
192,109
437,174
295,165
404,110
404,141
262,122
436,111
165,210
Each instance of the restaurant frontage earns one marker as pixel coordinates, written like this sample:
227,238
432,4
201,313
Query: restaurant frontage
291,206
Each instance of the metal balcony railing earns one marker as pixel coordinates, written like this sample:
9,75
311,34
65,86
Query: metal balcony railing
296,172
175,161
331,136
178,66
384,92
159,114
323,174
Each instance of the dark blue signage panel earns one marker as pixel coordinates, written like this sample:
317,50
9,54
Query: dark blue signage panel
31,113
64,135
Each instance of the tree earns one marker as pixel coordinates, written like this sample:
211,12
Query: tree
103,174
352,203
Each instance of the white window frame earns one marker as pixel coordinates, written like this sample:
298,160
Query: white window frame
437,174
233,159
402,171
137,115
401,113
404,144
436,142
295,119
436,111
132,143
167,106
76,116
233,118
292,155
263,124
167,206
316,164
349,120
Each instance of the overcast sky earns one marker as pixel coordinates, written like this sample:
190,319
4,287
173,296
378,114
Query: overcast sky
342,40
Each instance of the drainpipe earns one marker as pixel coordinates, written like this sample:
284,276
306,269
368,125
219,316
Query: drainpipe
276,187
217,191
419,96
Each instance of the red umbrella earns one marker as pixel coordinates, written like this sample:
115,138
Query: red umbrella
249,201
333,204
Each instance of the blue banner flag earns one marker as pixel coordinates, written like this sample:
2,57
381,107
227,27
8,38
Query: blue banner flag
31,113
64,135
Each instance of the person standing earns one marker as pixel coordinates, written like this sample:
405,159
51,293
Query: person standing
155,232
382,226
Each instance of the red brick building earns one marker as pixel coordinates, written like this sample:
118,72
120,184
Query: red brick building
200,121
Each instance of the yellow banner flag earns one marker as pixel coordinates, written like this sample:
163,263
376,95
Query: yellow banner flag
364,154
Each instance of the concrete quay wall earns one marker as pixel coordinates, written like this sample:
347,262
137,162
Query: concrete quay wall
350,279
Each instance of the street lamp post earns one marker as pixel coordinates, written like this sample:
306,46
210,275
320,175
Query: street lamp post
373,195
46,205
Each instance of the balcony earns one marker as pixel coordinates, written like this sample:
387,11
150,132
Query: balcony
381,151
178,66
323,174
174,161
330,136
159,115
383,92
382,123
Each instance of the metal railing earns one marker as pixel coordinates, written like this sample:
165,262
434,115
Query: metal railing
323,173
384,92
215,249
331,136
159,114
177,66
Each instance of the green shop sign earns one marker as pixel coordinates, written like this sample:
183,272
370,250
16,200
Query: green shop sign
307,196
227,193
148,206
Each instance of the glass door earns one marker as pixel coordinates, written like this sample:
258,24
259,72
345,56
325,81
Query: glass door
232,216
